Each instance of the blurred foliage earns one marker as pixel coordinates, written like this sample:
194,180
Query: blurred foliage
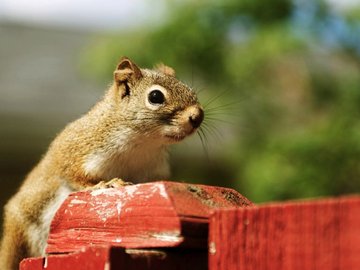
293,70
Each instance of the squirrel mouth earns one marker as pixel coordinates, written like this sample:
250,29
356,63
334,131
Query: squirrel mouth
176,137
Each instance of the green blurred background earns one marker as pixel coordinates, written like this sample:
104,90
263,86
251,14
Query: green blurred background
280,81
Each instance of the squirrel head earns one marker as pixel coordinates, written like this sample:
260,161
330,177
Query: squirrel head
154,102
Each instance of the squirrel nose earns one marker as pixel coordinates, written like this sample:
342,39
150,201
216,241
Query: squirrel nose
196,117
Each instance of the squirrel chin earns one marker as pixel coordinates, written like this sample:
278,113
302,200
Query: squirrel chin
178,137
175,138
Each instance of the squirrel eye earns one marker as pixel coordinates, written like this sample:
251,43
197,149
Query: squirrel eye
156,97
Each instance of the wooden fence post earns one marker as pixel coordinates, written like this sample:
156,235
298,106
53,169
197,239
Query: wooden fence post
168,225
160,225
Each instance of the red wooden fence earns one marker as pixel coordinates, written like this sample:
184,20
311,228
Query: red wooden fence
166,225
321,234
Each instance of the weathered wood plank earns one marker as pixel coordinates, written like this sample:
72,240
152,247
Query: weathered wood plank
158,214
323,234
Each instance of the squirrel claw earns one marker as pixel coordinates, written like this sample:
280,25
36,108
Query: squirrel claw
117,182
113,183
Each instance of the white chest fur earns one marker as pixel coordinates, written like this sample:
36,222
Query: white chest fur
131,160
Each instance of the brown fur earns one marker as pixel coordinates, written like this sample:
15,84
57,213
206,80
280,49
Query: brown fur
122,136
165,69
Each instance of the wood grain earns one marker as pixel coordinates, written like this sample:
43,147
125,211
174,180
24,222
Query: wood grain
323,234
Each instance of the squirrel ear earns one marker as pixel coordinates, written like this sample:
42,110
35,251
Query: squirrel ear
165,69
126,71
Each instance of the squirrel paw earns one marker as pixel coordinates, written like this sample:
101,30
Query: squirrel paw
117,182
113,183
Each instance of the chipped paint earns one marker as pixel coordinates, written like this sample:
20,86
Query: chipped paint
212,248
108,209
131,190
101,191
162,190
76,201
105,209
45,262
107,266
128,209
118,208
118,240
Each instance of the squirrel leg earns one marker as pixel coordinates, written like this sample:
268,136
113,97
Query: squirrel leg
13,244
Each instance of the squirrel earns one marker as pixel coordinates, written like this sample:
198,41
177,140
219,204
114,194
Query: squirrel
124,136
